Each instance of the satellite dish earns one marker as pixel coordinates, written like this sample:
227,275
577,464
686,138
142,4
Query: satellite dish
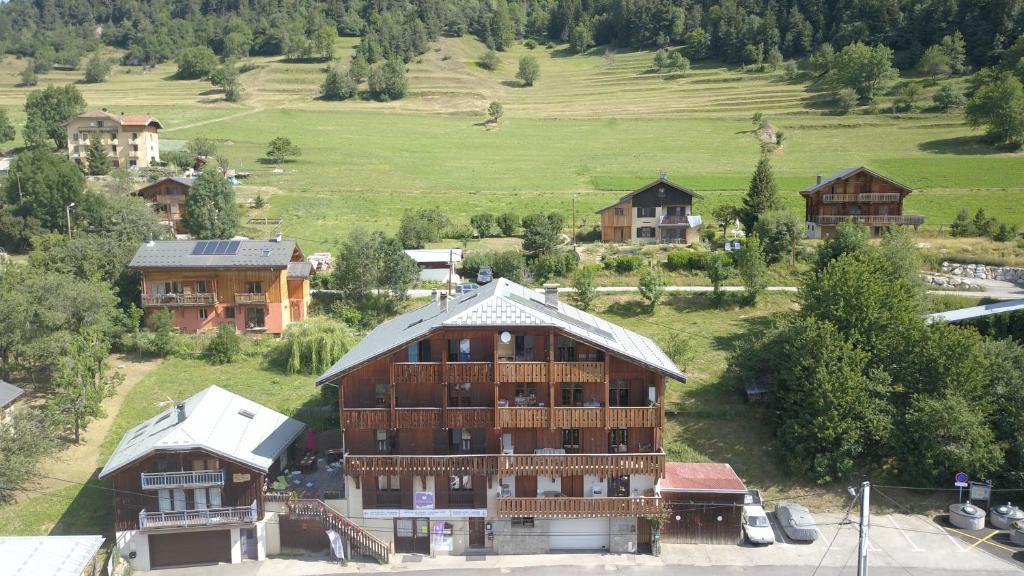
506,337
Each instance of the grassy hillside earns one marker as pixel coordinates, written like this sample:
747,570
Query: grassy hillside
594,125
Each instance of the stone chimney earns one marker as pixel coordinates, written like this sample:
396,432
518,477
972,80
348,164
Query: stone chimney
180,409
664,175
819,178
433,295
551,295
443,301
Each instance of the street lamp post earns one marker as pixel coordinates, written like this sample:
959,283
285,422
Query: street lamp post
67,209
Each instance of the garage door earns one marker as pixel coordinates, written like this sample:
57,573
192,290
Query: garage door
186,548
579,534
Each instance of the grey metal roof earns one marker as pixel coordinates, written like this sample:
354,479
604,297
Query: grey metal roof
47,555
299,269
217,421
849,172
9,393
178,254
505,303
976,311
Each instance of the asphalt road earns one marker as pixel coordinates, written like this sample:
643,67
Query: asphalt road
683,570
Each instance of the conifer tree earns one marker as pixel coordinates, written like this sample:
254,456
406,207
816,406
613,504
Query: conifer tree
762,196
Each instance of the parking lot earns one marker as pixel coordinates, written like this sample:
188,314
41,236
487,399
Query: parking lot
991,540
911,543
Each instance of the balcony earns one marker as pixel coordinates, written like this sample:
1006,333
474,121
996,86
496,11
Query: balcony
578,417
580,464
674,220
198,518
195,299
250,298
366,419
868,197
407,418
191,479
416,372
523,417
481,465
906,219
563,507
469,372
634,417
523,371
469,418
577,372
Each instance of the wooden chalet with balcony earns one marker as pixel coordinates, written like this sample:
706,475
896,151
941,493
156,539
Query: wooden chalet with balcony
167,197
503,420
255,285
856,195
657,213
189,483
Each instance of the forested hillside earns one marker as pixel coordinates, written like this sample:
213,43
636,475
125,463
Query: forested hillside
63,31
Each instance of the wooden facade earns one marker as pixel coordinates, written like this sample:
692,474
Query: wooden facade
705,517
857,195
240,488
167,197
656,213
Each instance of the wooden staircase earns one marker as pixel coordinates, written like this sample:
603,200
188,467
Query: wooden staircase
361,541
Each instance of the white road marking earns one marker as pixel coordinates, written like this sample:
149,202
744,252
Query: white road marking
905,535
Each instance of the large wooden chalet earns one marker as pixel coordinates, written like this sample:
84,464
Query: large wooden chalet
254,285
167,197
657,213
504,421
856,195
189,482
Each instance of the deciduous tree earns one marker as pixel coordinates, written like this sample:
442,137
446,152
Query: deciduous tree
46,112
584,291
864,69
282,149
210,208
45,184
529,70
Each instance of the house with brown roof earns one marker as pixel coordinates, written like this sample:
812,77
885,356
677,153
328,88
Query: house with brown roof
856,195
132,141
657,213
167,197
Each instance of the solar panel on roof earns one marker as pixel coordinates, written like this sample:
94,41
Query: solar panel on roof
222,248
211,248
199,247
233,247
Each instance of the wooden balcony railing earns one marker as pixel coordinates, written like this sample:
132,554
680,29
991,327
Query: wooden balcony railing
634,417
366,418
577,372
483,465
191,479
469,372
580,464
195,518
908,219
578,507
469,418
250,298
523,371
865,197
408,418
195,299
578,417
416,372
523,417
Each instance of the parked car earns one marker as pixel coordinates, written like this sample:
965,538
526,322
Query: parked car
485,275
756,527
797,522
466,288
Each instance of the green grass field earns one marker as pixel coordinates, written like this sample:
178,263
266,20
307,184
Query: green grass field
594,126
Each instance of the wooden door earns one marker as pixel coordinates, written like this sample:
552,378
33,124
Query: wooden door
412,535
476,532
643,535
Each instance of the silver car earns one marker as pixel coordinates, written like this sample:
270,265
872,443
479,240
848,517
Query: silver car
797,522
756,526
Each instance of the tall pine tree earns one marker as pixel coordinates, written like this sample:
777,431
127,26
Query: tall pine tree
762,196
97,160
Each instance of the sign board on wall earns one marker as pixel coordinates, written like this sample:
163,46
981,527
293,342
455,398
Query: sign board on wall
237,478
397,513
423,501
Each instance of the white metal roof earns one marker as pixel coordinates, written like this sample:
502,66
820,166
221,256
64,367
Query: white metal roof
216,420
977,311
443,255
47,555
505,303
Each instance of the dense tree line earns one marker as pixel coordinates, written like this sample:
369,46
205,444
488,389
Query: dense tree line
54,32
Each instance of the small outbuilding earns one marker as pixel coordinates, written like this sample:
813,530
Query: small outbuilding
8,394
704,502
49,555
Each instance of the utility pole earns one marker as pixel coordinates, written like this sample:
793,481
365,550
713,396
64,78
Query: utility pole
451,267
865,523
574,221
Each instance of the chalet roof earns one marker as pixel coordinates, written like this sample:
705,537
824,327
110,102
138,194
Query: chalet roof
662,180
846,173
187,182
976,311
299,269
700,477
123,120
444,255
217,421
9,393
499,304
178,254
49,555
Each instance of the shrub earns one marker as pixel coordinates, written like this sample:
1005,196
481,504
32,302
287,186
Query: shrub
949,97
684,260
97,69
624,264
311,346
679,348
387,82
196,62
508,223
846,100
338,86
509,264
225,346
530,44
483,223
490,60
164,340
529,70
552,264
